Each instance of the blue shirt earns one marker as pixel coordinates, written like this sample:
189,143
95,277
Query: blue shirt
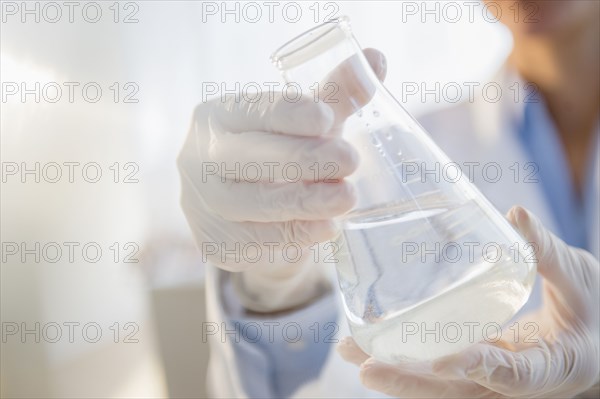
539,136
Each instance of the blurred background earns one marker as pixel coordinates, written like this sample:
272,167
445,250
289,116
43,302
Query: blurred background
101,284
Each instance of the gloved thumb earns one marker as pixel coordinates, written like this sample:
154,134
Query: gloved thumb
377,61
350,85
563,267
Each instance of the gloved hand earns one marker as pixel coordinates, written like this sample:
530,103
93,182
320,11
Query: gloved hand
561,361
248,214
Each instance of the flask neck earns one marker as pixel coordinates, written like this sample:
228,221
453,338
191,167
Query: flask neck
328,64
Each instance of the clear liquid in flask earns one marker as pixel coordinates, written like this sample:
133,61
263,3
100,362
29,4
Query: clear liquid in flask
418,285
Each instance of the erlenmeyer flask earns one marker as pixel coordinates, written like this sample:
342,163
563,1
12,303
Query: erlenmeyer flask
426,265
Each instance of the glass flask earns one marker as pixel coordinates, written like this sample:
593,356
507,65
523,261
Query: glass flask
426,265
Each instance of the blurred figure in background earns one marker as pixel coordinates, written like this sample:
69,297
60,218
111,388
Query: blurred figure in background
550,124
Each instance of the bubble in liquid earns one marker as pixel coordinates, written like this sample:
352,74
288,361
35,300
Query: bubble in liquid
359,113
376,113
375,141
388,136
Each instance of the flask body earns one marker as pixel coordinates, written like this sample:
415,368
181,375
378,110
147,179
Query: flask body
426,265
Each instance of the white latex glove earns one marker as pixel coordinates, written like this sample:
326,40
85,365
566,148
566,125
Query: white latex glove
241,223
562,361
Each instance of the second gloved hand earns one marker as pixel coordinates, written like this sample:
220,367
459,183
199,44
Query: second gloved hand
559,361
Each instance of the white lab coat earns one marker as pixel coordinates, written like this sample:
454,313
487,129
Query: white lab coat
478,131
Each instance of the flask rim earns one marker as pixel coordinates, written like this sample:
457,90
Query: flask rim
311,43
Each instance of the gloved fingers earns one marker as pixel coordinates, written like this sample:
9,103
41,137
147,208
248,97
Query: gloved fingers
525,332
238,246
406,382
377,61
351,352
347,88
278,202
273,112
536,370
272,157
284,113
279,243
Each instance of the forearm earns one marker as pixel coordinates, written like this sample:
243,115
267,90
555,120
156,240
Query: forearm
290,347
280,288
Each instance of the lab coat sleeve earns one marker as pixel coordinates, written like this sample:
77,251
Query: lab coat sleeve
260,356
